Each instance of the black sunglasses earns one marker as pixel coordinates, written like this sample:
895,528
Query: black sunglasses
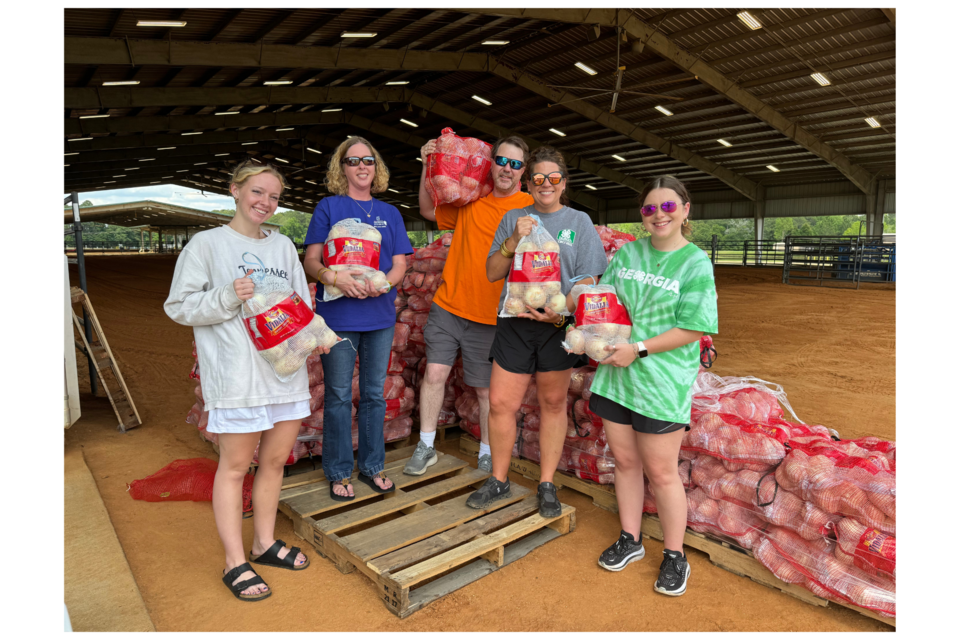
516,165
555,178
352,161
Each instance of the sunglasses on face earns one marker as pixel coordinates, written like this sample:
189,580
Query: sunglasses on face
667,207
555,178
516,165
352,161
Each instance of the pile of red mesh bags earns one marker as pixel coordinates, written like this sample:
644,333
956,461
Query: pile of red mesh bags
613,240
458,172
433,257
185,480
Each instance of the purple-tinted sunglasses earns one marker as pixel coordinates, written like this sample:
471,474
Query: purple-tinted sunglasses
649,209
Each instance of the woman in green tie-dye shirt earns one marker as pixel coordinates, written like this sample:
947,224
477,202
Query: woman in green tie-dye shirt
643,389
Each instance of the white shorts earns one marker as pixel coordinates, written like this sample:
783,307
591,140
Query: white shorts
254,419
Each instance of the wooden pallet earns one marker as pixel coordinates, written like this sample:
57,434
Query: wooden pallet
415,552
603,495
106,365
722,553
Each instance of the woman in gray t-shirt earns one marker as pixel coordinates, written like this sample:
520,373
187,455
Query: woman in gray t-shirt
529,344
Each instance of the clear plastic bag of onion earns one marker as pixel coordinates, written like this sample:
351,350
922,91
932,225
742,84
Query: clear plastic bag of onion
601,321
283,327
352,245
534,276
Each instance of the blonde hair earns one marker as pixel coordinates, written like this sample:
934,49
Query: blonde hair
249,168
336,180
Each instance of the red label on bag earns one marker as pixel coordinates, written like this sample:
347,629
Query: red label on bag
600,308
536,266
876,552
353,252
278,323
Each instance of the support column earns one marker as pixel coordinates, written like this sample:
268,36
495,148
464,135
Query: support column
602,213
760,209
429,236
875,212
871,209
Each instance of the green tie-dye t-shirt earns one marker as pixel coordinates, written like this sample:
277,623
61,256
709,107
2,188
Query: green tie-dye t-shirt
660,290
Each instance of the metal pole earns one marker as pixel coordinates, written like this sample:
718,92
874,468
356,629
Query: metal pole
713,249
82,268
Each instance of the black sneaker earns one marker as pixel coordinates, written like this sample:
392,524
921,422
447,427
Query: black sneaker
491,491
674,571
621,553
547,500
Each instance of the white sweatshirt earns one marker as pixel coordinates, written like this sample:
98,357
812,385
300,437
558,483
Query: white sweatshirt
233,374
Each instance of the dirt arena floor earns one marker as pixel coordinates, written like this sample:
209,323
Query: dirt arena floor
831,349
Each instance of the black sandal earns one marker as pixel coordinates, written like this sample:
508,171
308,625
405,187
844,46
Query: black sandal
345,482
367,480
237,589
271,557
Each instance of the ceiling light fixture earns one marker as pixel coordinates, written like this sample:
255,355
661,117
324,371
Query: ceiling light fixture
165,177
182,170
120,83
394,190
72,153
157,182
773,168
132,169
146,159
419,159
78,139
559,133
285,129
282,160
591,187
246,143
217,155
101,115
161,23
165,148
664,111
749,20
311,182
481,100
314,150
358,34
330,110
724,142
273,83
197,164
397,82
191,133
873,122
820,78
619,158
404,206
407,122
227,113
585,68
122,175
109,181
495,43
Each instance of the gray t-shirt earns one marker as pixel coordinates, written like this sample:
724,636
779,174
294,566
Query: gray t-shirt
581,250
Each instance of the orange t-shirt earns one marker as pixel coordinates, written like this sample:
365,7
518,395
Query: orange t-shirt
465,290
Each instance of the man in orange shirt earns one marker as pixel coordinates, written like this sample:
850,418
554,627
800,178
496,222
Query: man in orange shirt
464,311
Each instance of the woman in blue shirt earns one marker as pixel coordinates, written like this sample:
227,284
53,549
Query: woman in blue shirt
364,316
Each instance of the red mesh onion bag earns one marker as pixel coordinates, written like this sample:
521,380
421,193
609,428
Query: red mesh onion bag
183,480
458,172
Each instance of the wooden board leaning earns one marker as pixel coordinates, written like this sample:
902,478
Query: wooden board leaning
415,552
722,553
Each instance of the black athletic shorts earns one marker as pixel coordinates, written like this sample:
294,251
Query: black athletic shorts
616,412
527,346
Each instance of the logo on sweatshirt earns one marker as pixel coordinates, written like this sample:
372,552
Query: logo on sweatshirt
567,236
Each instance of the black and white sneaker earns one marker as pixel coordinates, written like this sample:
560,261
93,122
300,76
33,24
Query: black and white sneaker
621,553
491,491
674,571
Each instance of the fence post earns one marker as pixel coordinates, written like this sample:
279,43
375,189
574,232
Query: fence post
745,252
713,249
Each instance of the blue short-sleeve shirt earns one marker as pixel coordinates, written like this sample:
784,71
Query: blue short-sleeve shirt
369,314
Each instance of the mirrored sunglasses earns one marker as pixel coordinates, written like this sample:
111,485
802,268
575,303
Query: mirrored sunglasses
516,165
352,161
667,207
555,178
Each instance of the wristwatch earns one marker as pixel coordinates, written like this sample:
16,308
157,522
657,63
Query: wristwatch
640,350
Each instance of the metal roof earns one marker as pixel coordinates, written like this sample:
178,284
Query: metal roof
156,215
720,80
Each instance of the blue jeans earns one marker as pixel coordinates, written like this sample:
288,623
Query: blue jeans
373,348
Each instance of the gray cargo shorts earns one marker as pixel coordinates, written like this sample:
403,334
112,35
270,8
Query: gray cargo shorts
446,332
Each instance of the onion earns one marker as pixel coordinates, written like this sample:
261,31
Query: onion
535,296
576,340
513,306
558,303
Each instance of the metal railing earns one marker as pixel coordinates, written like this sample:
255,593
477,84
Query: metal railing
747,253
839,260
